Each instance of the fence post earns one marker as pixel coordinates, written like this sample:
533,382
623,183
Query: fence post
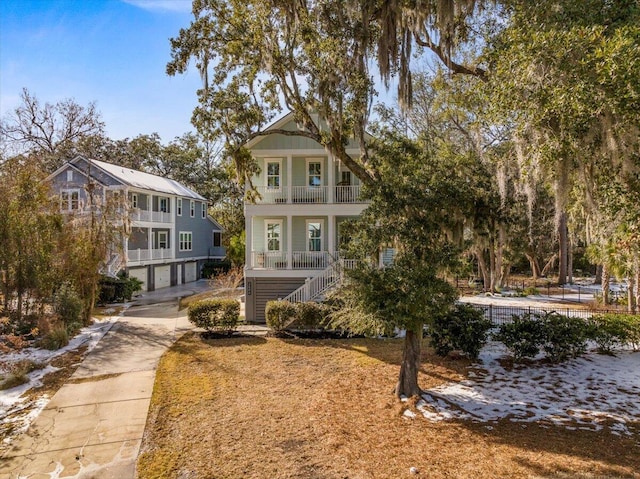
491,313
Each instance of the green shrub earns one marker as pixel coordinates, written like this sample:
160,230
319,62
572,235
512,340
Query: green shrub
67,304
564,337
120,289
523,337
215,315
463,327
213,268
615,330
530,291
310,315
279,314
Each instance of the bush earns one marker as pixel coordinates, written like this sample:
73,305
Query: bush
67,304
18,373
215,315
57,338
564,337
310,315
463,327
279,314
524,336
117,290
615,330
213,268
531,291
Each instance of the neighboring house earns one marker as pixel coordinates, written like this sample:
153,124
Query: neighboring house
170,235
293,229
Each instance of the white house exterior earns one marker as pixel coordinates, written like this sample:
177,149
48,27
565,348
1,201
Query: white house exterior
170,236
293,228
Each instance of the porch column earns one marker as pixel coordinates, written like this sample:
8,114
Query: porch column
288,190
248,252
331,178
150,208
289,241
150,242
331,234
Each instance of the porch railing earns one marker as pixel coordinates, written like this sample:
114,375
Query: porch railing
152,216
137,255
308,194
293,260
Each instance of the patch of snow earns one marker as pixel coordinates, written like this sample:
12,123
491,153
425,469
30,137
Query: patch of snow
591,392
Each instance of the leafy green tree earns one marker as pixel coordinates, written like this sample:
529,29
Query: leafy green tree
417,209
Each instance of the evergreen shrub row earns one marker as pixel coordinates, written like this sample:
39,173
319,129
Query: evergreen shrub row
283,315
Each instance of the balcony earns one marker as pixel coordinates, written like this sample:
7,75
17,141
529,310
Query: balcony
309,194
136,214
139,255
278,260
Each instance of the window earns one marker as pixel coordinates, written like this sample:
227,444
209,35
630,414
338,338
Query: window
69,176
163,205
273,235
273,175
314,173
70,200
185,240
134,200
192,208
204,210
314,235
345,178
163,240
179,206
217,239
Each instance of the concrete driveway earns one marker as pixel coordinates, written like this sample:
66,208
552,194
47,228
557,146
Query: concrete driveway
93,425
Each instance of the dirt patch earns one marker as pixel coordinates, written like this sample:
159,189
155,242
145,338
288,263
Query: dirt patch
300,408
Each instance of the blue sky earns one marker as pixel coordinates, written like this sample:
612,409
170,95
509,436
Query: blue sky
111,52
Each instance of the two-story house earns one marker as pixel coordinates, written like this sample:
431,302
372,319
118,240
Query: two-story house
170,235
293,228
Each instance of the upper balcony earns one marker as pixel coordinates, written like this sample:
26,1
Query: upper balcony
309,194
137,214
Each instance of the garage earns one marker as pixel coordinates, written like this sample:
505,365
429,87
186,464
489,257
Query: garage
190,271
162,276
141,274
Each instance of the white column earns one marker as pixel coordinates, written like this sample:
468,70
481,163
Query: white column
249,242
331,234
331,178
150,242
289,241
289,178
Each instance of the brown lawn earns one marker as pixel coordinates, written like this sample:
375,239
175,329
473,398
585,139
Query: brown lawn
250,407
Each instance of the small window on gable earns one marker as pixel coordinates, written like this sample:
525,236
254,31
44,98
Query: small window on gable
69,176
204,210
192,209
179,206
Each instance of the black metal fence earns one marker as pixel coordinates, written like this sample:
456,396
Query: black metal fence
504,314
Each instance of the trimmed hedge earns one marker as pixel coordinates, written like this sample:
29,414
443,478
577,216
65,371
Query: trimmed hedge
215,315
463,327
282,315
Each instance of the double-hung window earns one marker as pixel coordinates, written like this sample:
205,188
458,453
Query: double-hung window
273,175
69,200
314,172
274,235
192,208
179,206
185,240
204,210
163,204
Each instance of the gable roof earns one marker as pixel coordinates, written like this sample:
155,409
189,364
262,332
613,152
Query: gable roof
142,180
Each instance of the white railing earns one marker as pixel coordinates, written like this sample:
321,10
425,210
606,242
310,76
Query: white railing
113,265
137,255
293,260
152,216
307,194
316,286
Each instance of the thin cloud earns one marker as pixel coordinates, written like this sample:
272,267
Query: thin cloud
162,5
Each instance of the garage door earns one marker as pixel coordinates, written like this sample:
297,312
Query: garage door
141,274
190,272
162,276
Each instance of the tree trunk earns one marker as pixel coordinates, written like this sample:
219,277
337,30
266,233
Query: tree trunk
569,261
631,295
563,248
534,265
500,277
482,265
605,284
598,279
408,380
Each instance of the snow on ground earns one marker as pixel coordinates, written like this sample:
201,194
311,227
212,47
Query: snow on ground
18,411
591,393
